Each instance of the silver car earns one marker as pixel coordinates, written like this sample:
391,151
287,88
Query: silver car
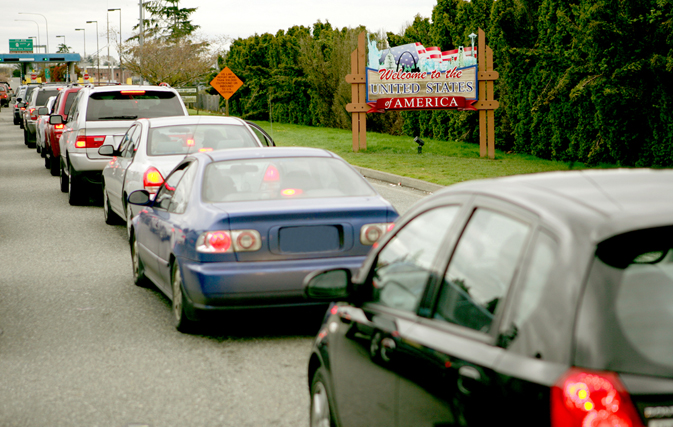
101,115
151,148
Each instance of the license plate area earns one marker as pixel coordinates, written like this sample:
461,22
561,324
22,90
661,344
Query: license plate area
307,239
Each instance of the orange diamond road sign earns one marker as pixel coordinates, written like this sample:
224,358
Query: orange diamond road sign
226,83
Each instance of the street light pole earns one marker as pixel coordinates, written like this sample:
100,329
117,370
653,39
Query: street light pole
82,29
46,24
121,71
107,17
97,49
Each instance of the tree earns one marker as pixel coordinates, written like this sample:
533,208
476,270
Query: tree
171,52
62,48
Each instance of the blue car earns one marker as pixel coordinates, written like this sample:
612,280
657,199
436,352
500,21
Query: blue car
242,228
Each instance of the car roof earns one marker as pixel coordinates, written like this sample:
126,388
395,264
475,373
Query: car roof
608,202
190,120
264,153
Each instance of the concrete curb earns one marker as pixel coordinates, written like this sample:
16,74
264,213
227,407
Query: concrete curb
401,180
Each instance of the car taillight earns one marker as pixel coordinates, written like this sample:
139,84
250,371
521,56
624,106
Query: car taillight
59,127
591,399
223,241
89,141
33,114
152,180
271,174
370,233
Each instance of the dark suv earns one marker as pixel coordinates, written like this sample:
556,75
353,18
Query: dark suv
102,115
545,299
36,99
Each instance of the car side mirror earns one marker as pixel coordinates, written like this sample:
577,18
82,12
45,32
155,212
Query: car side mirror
18,99
42,111
55,119
107,150
328,285
140,197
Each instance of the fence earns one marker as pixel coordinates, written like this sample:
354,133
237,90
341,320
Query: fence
208,102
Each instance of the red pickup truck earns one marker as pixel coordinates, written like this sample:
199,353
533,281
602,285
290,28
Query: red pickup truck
53,132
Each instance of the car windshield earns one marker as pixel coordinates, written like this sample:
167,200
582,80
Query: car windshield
639,265
281,178
171,140
133,104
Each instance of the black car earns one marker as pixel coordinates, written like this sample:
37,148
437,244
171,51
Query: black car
545,299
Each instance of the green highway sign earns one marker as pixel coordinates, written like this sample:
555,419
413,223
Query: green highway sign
20,45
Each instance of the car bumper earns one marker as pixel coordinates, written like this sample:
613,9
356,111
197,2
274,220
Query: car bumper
82,163
245,285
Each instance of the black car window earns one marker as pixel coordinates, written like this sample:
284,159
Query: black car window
634,276
43,96
533,327
183,190
481,269
165,193
403,266
132,104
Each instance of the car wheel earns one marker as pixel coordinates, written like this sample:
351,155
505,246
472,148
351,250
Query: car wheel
139,278
54,165
111,218
25,136
63,178
16,121
75,190
47,159
321,412
182,323
39,149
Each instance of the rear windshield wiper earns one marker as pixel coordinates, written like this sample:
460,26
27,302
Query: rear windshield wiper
118,118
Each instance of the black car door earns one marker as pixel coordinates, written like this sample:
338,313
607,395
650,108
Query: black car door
448,358
363,345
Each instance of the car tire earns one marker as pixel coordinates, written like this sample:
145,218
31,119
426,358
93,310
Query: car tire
139,278
54,165
16,121
321,414
47,159
75,189
25,137
111,218
63,177
39,149
179,302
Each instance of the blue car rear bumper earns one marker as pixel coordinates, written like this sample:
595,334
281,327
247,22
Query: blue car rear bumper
243,285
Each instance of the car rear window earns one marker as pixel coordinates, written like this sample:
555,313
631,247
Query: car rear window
281,178
44,94
171,140
639,267
133,104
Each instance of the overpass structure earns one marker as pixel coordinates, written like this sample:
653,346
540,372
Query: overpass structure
27,59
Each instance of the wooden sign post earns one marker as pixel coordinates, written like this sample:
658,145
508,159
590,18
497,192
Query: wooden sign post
359,107
424,88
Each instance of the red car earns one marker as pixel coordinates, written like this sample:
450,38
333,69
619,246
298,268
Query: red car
4,96
53,132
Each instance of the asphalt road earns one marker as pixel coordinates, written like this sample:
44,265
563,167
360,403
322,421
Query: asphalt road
80,345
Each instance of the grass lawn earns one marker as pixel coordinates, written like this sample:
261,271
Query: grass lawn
442,162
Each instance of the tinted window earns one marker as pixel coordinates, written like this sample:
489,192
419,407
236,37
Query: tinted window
481,269
43,96
69,100
165,194
183,190
130,142
532,327
640,271
171,140
282,178
403,266
132,104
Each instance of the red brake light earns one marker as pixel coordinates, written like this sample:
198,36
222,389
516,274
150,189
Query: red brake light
290,192
133,92
152,180
92,141
58,127
214,242
370,233
271,174
591,399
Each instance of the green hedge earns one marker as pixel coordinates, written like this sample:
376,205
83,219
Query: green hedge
588,81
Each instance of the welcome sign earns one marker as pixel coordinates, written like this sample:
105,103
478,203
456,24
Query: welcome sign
411,77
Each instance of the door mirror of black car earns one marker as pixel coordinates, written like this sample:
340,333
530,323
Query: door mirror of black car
140,198
107,150
18,99
55,119
42,111
328,285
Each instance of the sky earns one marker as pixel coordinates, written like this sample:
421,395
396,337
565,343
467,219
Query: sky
217,18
